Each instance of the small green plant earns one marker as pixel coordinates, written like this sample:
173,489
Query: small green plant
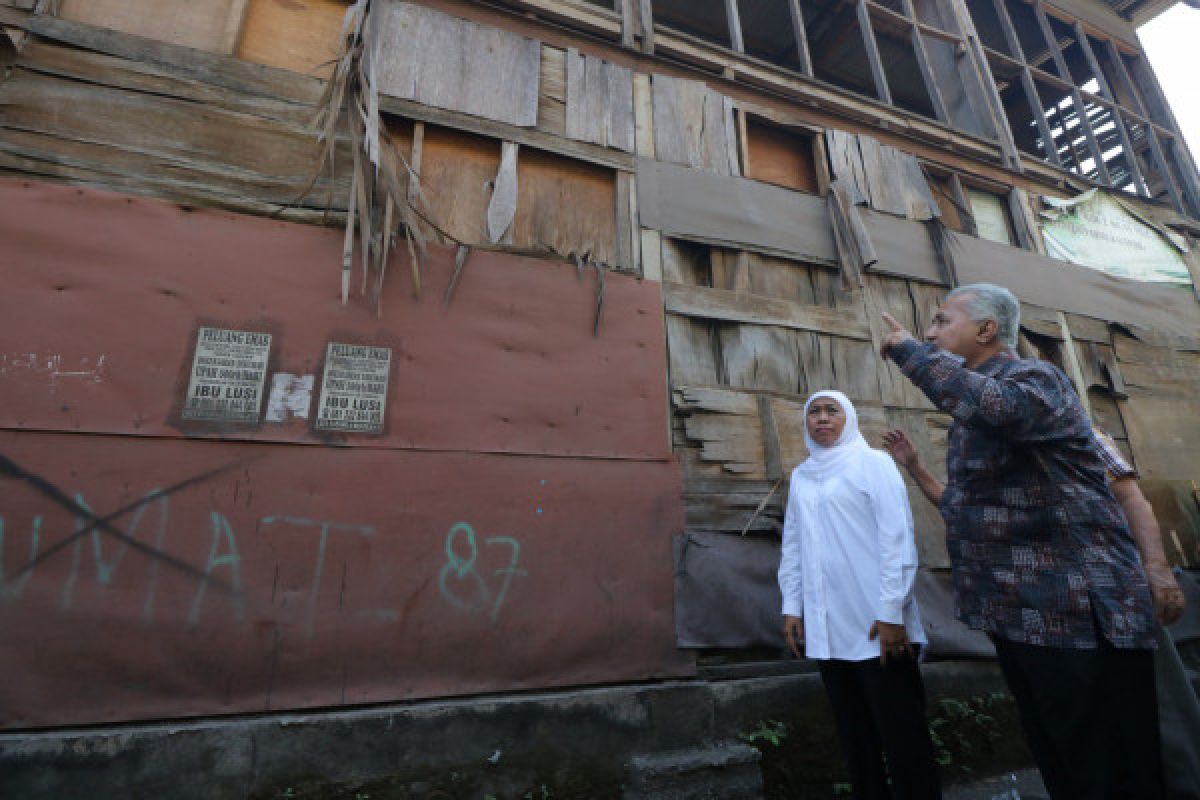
771,731
955,723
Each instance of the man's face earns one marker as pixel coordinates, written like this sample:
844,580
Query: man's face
953,330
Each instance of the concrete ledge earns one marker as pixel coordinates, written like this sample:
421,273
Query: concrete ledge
573,741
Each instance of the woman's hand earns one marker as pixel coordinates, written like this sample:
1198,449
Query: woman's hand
893,640
793,631
901,448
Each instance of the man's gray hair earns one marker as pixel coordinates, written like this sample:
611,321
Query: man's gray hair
988,301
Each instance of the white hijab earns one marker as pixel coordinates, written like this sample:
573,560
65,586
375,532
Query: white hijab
845,451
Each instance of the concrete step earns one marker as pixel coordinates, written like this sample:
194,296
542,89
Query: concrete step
724,771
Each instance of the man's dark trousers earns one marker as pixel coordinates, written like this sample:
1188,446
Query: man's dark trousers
1090,717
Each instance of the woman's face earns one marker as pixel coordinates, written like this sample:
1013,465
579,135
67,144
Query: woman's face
826,421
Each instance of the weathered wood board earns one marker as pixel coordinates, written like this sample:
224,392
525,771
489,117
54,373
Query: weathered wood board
447,62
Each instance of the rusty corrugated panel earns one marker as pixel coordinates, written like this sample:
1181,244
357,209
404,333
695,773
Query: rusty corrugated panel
181,571
364,575
103,295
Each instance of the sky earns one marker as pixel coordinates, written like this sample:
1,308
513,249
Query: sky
1171,43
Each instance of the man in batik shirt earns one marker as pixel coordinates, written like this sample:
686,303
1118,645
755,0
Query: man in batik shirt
1042,556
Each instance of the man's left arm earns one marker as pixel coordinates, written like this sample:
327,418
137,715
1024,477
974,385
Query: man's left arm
1168,597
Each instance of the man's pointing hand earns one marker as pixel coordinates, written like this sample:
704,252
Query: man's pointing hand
897,333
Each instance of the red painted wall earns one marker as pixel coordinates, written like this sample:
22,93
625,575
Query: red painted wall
510,528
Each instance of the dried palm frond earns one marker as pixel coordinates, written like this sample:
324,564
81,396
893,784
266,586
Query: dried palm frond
379,202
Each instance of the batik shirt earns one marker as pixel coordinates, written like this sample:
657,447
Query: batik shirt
1038,544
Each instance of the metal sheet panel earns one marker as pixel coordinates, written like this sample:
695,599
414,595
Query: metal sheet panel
103,295
360,575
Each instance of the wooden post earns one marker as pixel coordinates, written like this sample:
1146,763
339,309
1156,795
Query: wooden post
1071,362
918,44
965,212
743,140
1027,84
646,10
1024,221
1107,93
801,35
232,36
1187,165
628,23
735,26
643,116
1160,158
1060,65
983,73
872,48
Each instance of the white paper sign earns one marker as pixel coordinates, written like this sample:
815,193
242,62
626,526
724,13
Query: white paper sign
354,388
228,372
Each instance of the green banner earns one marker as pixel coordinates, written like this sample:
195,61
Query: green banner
1096,230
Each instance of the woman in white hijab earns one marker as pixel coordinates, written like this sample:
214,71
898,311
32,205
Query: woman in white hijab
847,571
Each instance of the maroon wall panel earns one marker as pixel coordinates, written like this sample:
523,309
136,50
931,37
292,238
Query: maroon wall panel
510,529
103,294
363,575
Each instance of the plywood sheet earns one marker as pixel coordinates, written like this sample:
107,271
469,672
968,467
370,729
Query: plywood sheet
357,576
452,63
904,247
691,203
300,35
781,157
565,206
99,337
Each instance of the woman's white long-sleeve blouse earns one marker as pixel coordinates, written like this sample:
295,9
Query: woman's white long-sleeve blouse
849,557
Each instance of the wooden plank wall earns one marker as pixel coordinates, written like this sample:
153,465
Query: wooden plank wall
106,109
749,335
748,338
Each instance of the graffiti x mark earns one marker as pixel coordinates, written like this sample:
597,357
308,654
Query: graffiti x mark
11,469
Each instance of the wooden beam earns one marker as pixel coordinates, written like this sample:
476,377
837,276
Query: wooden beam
1156,150
1027,84
1010,30
872,47
706,303
233,26
530,137
628,23
643,116
414,161
965,212
1064,72
931,86
743,141
1039,117
1071,362
1024,221
801,35
1106,91
735,26
987,83
646,10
